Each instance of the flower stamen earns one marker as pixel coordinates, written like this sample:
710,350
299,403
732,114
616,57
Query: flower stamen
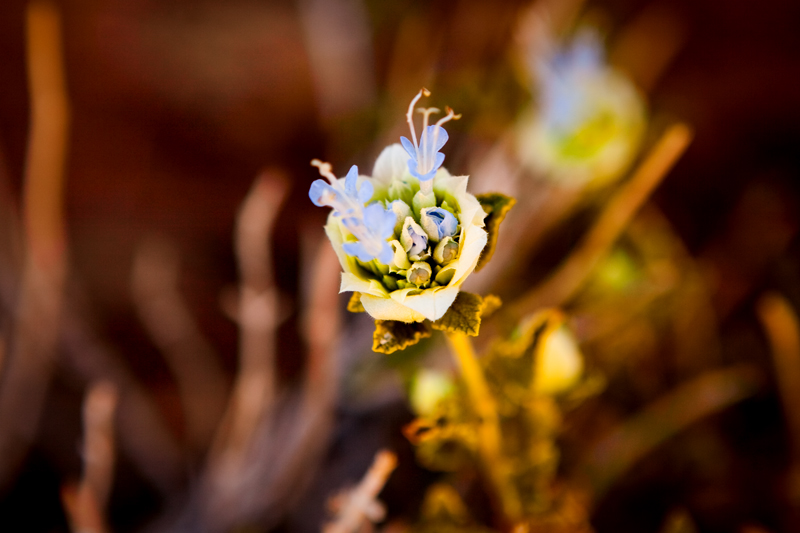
410,115
325,170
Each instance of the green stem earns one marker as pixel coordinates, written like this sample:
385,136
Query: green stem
495,464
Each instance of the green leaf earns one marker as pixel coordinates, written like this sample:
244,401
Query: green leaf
497,206
391,335
354,305
464,315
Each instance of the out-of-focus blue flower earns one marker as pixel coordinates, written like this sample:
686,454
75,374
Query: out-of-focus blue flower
438,223
588,120
565,103
371,225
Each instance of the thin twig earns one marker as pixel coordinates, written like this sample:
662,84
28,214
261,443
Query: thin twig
647,45
170,323
30,362
359,505
144,436
254,388
574,271
781,325
85,503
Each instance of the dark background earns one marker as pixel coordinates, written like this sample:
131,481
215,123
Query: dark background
178,104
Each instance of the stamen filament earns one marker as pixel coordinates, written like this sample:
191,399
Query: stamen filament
426,113
410,116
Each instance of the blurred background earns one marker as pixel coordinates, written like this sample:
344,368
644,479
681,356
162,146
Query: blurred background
177,106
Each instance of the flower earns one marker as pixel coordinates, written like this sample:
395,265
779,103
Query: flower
589,118
370,225
408,251
425,156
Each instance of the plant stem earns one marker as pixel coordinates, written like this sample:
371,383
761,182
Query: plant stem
495,464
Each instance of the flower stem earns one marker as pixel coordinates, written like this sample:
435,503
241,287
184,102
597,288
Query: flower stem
495,464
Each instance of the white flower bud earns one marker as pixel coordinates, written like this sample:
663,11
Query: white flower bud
414,239
401,211
445,251
420,274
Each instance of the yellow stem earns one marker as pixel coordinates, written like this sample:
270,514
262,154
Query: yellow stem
494,462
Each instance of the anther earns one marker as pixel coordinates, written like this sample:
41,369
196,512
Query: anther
325,170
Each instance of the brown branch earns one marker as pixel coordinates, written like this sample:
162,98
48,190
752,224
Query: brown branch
189,355
253,392
782,326
30,362
85,503
359,505
143,434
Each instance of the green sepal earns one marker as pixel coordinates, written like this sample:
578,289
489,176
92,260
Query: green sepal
392,335
466,312
496,206
355,305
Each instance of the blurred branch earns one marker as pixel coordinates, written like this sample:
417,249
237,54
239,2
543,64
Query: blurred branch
356,507
621,448
85,503
648,44
304,446
143,434
568,278
781,325
30,361
254,387
339,46
171,325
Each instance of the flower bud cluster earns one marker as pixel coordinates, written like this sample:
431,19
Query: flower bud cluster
408,236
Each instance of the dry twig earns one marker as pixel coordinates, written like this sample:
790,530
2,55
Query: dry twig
171,325
30,362
85,503
358,505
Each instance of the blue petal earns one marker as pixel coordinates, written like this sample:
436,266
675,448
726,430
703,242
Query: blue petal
386,229
411,150
439,161
441,138
412,168
351,224
447,228
357,249
350,182
429,175
318,192
386,254
365,192
374,215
